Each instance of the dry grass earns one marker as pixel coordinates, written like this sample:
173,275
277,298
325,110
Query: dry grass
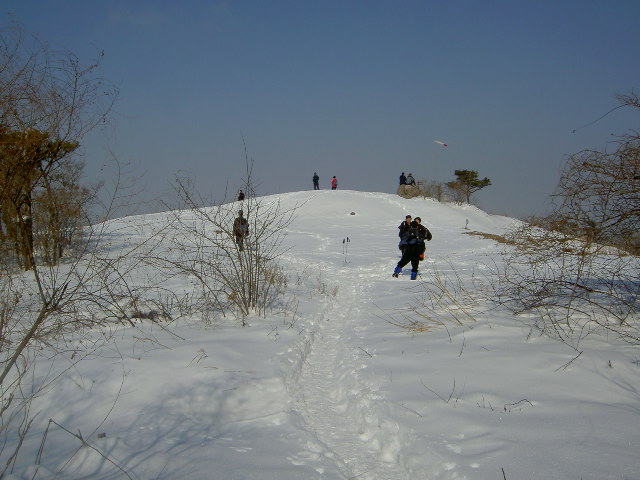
493,236
444,302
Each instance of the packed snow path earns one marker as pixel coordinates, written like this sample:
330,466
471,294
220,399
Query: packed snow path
338,409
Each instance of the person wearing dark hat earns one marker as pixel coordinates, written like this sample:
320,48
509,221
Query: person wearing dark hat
316,180
240,230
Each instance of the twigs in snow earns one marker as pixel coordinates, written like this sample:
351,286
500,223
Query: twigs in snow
365,352
519,404
440,396
566,365
84,444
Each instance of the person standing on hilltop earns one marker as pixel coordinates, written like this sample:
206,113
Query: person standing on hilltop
334,183
316,180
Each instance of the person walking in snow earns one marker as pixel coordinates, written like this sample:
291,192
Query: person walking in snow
412,248
240,230
425,234
402,228
316,180
424,231
403,179
334,183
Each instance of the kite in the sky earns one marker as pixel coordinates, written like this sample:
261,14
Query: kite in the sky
440,143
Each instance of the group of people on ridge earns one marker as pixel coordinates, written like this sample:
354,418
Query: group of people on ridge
411,232
316,180
404,180
412,237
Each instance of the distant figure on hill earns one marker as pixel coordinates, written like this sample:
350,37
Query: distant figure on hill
334,183
403,179
410,180
240,195
316,180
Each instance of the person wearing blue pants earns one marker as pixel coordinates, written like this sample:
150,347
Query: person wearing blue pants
412,246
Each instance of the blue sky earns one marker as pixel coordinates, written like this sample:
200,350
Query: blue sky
356,89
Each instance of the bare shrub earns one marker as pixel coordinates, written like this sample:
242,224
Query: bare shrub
241,274
577,270
573,286
432,189
456,192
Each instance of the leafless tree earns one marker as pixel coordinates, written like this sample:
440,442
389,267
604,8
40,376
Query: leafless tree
59,211
598,196
578,267
49,100
432,189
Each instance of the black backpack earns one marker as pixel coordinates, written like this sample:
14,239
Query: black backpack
412,236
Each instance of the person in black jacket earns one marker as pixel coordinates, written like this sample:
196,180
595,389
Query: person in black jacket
425,234
412,246
402,228
316,179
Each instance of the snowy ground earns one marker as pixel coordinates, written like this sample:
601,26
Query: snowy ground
331,389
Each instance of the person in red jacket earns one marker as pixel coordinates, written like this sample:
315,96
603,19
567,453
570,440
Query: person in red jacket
334,183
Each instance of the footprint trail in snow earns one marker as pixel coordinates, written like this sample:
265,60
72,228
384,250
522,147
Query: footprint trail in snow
335,407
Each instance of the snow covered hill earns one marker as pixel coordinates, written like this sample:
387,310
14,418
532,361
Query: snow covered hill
330,386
